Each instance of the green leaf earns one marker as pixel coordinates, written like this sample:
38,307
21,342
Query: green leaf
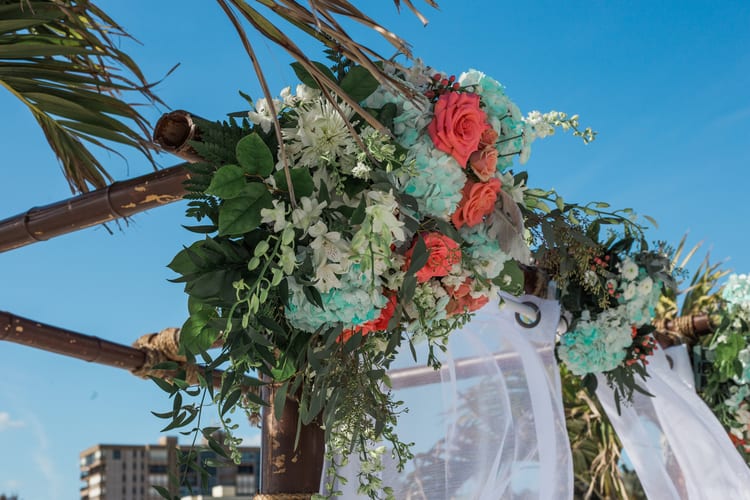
305,77
419,257
241,215
254,155
197,335
182,263
358,217
231,400
313,295
284,368
387,113
228,182
279,400
216,447
359,83
301,181
652,221
164,385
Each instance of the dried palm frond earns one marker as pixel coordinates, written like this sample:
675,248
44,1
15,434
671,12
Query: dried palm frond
320,22
59,58
594,444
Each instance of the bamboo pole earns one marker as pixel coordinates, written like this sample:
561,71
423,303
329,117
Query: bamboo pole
173,132
88,348
121,199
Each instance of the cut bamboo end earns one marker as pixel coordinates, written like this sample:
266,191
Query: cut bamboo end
174,131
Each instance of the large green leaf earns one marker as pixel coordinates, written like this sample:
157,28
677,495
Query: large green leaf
254,155
301,181
242,214
228,182
305,77
359,83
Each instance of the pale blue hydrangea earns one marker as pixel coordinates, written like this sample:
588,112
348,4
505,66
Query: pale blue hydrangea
435,181
640,308
357,301
412,117
737,290
489,259
596,345
594,348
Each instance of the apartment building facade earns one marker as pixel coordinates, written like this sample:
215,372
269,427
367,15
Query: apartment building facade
128,472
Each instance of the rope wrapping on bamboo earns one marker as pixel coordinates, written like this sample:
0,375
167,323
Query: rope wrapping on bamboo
162,347
283,496
683,329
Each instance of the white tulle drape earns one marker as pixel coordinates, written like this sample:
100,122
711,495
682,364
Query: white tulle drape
675,443
490,423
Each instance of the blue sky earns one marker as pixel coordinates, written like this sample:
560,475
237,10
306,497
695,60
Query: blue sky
664,83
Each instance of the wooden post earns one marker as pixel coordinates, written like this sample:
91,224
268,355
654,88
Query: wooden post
284,468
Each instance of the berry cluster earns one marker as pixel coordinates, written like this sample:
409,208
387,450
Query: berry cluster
643,346
439,85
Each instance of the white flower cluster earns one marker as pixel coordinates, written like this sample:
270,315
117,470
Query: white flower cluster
538,125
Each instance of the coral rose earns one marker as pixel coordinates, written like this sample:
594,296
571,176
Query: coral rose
478,201
458,125
443,254
484,163
378,324
489,138
461,299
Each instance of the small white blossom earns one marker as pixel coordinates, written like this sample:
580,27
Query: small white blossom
361,171
307,213
645,286
287,261
275,216
629,270
262,115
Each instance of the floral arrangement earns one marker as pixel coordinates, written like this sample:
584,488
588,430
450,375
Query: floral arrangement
330,244
725,362
612,313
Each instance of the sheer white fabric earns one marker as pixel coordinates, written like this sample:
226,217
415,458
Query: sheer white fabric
490,423
674,442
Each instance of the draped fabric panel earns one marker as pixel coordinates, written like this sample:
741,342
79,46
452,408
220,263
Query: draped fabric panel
490,423
675,444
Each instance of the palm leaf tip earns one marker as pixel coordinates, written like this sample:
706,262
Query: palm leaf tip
60,58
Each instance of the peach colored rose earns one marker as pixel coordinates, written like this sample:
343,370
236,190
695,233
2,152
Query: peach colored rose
443,254
378,324
478,201
461,299
489,138
484,163
458,125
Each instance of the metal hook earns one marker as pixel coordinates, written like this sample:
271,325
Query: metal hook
522,318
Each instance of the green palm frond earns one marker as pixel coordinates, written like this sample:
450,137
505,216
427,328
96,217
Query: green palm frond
701,294
59,58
